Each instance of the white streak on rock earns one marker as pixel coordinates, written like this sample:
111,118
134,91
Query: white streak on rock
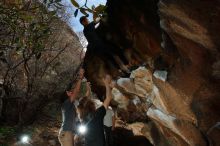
159,74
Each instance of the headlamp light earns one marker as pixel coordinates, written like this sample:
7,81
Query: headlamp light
25,139
82,129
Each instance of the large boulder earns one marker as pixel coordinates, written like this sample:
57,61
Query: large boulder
179,43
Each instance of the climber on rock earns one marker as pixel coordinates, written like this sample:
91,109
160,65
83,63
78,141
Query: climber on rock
100,48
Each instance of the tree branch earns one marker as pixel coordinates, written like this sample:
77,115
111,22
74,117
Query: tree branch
48,64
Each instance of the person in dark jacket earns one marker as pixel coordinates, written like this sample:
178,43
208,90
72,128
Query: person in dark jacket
92,118
100,48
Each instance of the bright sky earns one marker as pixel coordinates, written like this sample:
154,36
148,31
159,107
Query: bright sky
74,21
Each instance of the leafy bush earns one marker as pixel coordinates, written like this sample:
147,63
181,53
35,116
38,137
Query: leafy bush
7,131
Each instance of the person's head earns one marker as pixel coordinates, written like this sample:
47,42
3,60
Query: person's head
68,93
84,20
86,109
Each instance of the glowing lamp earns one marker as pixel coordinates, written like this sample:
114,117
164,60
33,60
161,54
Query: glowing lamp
25,139
82,129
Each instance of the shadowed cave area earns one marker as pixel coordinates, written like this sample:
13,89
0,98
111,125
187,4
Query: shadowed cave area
169,96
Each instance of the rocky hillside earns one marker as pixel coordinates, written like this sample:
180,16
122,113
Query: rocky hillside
38,58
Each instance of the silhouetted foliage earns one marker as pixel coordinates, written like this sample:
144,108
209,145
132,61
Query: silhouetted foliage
85,10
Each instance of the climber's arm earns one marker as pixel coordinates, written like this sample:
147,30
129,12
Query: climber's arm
108,98
76,89
88,89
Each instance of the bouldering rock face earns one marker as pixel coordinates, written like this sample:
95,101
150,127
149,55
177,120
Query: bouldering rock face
182,127
179,43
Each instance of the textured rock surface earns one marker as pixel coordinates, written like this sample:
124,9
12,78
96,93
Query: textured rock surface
159,110
181,38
